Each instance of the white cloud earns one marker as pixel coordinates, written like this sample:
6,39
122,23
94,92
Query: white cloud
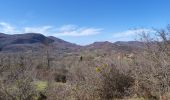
73,30
65,30
44,29
7,28
130,34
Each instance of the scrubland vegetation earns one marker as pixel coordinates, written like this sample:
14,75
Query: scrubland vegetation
89,75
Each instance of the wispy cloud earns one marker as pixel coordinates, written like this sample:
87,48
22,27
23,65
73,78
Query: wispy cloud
43,29
73,30
130,34
65,30
7,28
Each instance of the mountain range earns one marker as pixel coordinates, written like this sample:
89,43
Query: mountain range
37,41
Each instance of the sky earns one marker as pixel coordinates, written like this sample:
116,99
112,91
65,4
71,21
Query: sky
84,21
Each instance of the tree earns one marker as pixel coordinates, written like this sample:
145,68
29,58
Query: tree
152,66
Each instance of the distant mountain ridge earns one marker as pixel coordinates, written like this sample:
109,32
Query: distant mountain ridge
119,46
27,41
37,41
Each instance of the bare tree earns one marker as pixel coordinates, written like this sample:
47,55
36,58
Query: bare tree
152,67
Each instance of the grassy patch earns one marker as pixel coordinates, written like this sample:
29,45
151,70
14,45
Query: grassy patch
40,85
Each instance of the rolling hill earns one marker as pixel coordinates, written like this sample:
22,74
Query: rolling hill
36,42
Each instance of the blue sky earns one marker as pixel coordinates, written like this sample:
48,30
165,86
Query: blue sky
84,21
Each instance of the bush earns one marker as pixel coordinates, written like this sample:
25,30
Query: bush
115,84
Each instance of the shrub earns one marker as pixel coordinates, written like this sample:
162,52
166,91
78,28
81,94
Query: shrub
115,84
